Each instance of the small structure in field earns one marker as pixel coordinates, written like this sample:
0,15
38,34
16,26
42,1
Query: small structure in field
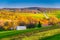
21,28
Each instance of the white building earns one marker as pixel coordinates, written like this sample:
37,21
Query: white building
21,28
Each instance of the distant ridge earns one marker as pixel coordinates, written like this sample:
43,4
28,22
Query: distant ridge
32,8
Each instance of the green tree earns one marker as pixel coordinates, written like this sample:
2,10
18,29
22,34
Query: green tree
39,24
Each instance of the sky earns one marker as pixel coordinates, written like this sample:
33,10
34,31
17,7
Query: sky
29,3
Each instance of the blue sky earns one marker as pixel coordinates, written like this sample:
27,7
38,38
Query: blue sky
29,3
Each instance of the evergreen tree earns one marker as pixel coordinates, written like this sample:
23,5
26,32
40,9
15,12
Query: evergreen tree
39,25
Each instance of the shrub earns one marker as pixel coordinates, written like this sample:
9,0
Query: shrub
1,28
31,25
21,24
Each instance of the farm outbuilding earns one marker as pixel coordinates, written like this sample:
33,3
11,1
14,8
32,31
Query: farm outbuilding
21,28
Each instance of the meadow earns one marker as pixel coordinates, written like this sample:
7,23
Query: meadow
31,34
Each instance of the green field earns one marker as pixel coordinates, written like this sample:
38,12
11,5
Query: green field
30,33
55,37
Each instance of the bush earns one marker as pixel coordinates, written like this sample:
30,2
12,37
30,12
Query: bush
21,24
1,28
31,25
6,24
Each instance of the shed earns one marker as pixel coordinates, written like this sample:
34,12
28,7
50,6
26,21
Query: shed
21,28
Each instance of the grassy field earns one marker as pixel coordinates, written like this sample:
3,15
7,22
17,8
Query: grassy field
4,34
17,34
54,37
41,35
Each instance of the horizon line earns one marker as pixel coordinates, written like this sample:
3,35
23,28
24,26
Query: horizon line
28,7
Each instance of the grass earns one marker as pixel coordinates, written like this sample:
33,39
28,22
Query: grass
15,32
4,34
55,37
43,34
